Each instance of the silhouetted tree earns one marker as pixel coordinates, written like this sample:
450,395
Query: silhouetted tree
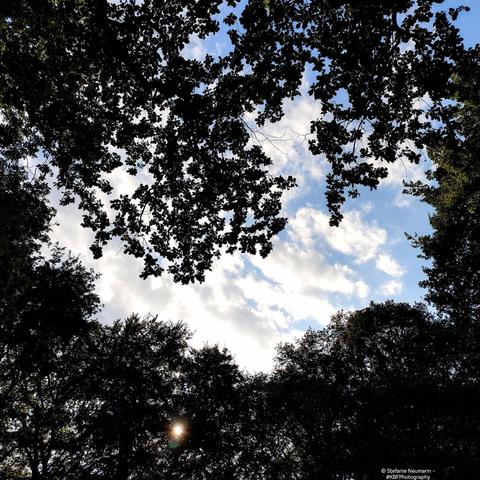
453,279
131,386
313,404
211,408
262,455
89,86
375,389
39,365
25,222
39,437
46,303
453,250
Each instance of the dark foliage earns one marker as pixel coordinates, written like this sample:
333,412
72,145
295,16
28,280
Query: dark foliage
25,222
46,305
453,279
378,388
92,86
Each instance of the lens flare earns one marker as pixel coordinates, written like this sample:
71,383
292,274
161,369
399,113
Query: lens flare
178,430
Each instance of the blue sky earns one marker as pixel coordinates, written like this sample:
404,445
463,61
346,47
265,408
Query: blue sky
249,304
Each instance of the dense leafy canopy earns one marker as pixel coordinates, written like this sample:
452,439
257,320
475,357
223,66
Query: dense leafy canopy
378,387
391,385
387,385
46,305
25,220
453,278
92,87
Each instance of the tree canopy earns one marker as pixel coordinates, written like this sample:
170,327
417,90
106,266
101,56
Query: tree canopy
377,387
453,192
89,87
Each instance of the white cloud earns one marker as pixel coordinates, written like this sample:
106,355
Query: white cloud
286,142
216,311
300,281
392,287
402,170
195,49
247,303
402,200
362,289
353,237
387,264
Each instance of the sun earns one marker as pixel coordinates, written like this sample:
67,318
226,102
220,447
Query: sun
178,430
